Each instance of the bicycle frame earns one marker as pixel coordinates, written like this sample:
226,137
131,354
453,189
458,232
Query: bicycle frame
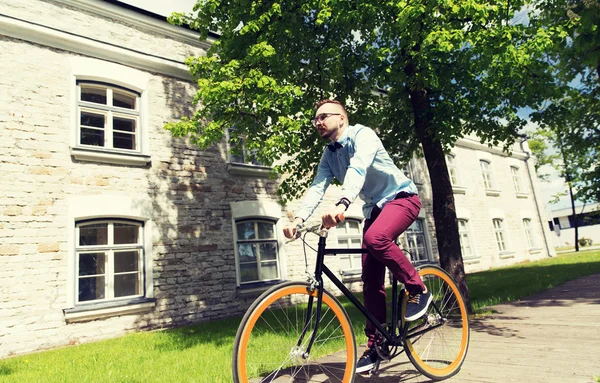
321,269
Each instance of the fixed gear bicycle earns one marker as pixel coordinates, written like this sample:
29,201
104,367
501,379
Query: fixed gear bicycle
298,331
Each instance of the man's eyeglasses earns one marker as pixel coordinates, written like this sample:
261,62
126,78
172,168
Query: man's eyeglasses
322,117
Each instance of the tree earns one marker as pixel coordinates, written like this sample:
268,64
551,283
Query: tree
551,147
442,69
574,26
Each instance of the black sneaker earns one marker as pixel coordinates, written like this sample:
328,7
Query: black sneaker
417,306
367,360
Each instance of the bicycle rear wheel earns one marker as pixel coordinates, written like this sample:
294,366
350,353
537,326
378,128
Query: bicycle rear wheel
437,343
265,348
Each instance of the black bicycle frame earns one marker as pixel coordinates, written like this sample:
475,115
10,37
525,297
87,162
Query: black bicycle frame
321,269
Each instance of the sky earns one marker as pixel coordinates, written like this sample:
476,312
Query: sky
163,7
546,189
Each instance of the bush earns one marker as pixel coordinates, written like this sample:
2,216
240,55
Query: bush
585,241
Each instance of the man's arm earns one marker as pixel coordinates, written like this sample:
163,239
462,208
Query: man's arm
366,146
314,195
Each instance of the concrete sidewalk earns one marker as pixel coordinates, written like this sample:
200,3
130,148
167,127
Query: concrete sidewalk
550,337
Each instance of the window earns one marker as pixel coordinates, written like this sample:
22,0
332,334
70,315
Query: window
108,117
257,251
499,233
410,170
486,173
465,239
452,172
109,260
415,238
514,171
529,232
349,234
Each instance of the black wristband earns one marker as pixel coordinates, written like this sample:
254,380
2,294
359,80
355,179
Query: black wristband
344,201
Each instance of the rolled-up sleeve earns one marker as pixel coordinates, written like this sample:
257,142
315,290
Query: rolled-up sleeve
315,192
367,144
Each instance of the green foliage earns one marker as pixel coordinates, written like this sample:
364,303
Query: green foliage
573,112
274,59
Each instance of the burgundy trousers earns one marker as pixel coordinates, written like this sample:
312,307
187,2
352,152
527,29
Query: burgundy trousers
379,235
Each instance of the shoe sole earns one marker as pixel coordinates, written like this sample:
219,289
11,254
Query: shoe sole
420,313
367,368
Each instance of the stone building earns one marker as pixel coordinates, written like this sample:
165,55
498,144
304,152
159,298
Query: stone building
109,225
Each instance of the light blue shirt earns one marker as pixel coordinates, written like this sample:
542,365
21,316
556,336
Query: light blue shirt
364,168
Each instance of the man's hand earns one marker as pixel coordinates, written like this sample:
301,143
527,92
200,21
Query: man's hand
290,230
335,216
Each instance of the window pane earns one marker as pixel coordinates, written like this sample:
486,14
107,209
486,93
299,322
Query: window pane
246,252
92,235
92,137
268,270
126,233
248,272
91,288
355,243
91,264
92,119
343,242
127,284
265,230
123,141
245,230
123,100
124,124
268,251
353,226
93,94
126,261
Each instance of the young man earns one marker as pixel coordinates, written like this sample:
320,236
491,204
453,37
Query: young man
357,158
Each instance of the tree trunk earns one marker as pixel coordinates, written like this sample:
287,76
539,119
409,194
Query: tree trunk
444,210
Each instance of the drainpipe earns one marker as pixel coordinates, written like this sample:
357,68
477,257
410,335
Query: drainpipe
535,200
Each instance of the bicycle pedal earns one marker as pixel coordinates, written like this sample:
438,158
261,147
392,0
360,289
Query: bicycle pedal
375,370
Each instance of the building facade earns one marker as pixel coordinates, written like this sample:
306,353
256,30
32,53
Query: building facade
109,225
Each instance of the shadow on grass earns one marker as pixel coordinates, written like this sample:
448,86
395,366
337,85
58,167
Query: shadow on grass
218,334
5,371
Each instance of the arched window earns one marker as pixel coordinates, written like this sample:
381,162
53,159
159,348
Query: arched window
486,173
257,251
109,260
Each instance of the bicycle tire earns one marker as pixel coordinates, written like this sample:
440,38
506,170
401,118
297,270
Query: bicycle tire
440,352
264,347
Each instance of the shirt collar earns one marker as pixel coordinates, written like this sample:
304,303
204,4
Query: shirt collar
341,142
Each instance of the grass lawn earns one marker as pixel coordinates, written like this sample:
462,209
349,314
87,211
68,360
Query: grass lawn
202,353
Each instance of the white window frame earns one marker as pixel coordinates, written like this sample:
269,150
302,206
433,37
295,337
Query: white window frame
529,233
343,233
109,112
108,207
410,171
486,173
500,234
516,178
110,249
261,210
259,262
452,169
464,232
409,234
244,167
88,70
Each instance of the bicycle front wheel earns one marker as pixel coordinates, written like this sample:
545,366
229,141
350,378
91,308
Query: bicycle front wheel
437,343
266,345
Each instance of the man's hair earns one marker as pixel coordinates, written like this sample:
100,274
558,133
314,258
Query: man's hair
318,104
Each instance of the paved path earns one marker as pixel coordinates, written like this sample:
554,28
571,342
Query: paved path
550,337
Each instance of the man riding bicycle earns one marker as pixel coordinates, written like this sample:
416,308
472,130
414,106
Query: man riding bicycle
356,157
